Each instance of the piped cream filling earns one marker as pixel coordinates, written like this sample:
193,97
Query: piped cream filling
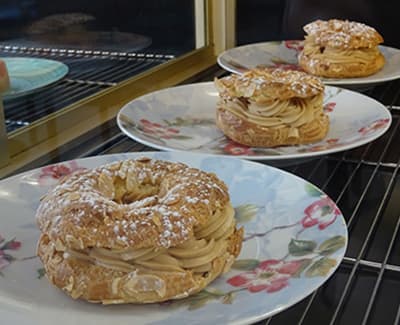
210,241
274,113
340,56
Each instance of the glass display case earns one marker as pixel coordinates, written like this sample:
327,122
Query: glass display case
112,51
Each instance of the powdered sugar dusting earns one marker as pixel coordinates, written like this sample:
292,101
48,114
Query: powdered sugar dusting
342,34
272,83
86,206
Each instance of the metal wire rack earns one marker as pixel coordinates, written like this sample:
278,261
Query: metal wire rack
365,184
89,72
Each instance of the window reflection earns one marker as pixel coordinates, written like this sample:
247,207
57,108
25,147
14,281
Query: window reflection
102,43
119,25
269,20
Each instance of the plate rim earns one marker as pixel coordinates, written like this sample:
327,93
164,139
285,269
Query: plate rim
61,65
328,81
250,157
133,155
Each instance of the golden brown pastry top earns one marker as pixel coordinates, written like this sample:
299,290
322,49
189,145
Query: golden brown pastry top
342,34
270,83
130,204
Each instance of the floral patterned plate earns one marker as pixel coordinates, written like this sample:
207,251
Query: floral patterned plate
295,238
183,118
284,55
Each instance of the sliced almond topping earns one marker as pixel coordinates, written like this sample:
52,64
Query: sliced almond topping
156,220
74,196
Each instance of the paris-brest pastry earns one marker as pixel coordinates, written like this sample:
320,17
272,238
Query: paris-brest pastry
271,107
341,49
137,231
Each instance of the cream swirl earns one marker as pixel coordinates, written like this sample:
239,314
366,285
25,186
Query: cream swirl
338,55
197,254
293,112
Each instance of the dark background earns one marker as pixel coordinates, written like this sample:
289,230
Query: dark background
263,20
169,24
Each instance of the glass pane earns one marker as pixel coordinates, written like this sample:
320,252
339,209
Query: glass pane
100,42
268,20
124,25
259,20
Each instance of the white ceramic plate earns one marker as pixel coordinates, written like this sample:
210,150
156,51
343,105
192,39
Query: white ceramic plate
284,54
295,237
183,118
30,74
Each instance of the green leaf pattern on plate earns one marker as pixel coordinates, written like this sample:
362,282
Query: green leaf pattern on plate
331,245
245,212
321,267
246,264
312,190
304,258
301,247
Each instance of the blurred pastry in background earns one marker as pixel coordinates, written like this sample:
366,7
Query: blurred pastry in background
78,31
59,22
4,78
271,107
341,49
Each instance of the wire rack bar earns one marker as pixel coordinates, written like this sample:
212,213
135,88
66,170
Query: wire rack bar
369,235
383,268
90,71
343,191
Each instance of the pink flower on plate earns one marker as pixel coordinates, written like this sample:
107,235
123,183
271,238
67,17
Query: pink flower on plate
9,245
286,66
332,141
13,245
329,144
317,148
270,276
294,45
237,149
164,132
329,107
55,172
322,213
376,125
